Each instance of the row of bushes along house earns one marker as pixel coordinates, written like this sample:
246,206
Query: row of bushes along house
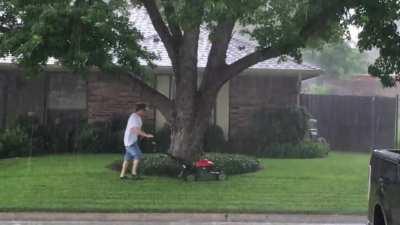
273,133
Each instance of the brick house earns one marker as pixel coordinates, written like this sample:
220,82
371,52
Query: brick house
268,84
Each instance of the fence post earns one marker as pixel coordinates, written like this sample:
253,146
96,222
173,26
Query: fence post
373,122
396,131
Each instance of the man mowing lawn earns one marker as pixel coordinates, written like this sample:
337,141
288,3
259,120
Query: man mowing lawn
132,131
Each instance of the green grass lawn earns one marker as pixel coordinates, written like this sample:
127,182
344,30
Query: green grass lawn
337,184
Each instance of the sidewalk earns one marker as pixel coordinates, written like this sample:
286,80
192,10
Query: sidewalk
184,217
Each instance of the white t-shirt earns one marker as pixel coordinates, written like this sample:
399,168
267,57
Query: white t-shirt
129,136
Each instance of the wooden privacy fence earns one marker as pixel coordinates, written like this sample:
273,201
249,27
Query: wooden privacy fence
354,123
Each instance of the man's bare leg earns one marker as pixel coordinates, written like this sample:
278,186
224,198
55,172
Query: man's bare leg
124,168
135,167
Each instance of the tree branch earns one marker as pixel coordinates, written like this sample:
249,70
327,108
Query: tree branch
152,96
311,28
173,26
220,38
161,27
247,61
188,48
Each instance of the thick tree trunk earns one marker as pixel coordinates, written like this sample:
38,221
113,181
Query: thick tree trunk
187,137
187,142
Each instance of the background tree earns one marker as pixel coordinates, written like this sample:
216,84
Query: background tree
85,33
339,59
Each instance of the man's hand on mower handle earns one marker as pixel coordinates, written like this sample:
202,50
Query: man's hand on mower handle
149,136
139,132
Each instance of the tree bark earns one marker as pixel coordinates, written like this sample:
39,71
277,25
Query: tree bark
187,137
185,141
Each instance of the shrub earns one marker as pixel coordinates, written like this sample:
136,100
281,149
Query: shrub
15,142
147,145
61,137
279,126
69,135
107,137
163,139
161,164
2,151
109,141
87,139
40,134
214,140
110,134
305,149
99,137
234,163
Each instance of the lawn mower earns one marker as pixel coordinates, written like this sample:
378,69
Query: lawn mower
202,170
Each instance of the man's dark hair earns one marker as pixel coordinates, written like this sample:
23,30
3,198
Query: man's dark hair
140,106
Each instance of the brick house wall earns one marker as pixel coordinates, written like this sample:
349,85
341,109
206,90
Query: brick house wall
251,93
113,96
58,95
66,98
101,97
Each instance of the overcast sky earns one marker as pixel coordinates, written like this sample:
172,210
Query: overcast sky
354,31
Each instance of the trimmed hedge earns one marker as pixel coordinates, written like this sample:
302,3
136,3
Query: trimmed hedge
234,163
162,164
305,149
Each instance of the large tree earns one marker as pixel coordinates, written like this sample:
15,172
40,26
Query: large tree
85,33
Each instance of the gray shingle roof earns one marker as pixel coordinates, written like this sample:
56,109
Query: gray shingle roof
238,47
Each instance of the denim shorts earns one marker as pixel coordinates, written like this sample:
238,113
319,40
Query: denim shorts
133,152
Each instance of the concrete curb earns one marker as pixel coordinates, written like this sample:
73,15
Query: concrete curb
180,217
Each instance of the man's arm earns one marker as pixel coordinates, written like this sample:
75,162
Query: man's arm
139,132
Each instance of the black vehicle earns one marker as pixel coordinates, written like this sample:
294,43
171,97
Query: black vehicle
384,188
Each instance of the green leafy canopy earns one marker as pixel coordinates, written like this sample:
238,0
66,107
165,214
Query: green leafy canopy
78,33
84,33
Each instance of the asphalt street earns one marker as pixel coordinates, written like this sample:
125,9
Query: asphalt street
159,223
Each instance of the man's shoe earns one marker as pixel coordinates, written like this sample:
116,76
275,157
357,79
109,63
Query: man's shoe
123,178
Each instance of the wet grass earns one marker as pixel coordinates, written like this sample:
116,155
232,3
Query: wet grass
83,183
